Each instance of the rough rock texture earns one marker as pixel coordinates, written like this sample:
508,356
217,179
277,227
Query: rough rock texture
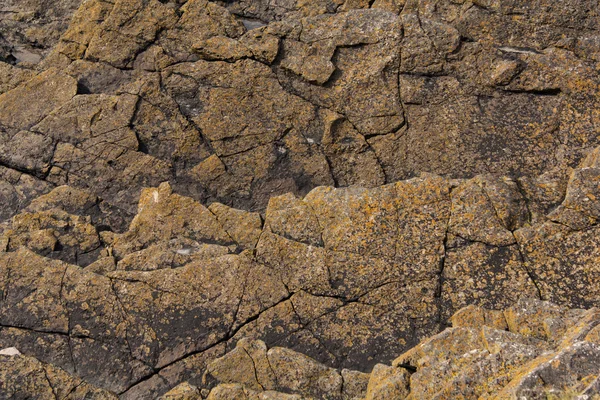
328,92
534,350
23,377
30,28
273,199
347,276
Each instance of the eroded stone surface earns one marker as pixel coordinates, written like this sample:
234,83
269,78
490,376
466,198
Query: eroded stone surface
484,360
26,377
320,93
347,276
533,349
188,187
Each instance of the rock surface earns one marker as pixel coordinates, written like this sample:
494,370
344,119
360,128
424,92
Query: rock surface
534,349
328,92
273,199
348,276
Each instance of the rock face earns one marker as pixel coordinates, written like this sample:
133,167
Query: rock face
347,276
532,350
26,377
273,199
335,93
30,28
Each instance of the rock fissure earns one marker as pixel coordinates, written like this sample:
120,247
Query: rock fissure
353,180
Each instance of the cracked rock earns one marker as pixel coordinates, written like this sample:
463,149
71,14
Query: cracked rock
259,199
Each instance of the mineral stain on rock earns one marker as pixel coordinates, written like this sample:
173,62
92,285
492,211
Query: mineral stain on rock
288,199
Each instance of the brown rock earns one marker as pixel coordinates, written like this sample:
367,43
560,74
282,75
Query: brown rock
185,391
157,222
388,383
11,76
243,227
249,106
17,189
26,377
27,104
250,367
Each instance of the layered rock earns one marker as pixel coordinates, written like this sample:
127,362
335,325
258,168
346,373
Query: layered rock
325,93
197,191
347,276
532,350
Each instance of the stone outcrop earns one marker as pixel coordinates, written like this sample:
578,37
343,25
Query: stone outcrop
273,199
347,276
24,377
338,93
534,349
29,29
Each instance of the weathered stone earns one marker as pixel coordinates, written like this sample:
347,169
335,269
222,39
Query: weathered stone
579,210
26,377
156,221
27,104
185,391
569,371
487,276
199,20
388,383
17,189
243,227
354,384
28,30
461,361
248,364
130,26
487,362
96,309
55,234
11,76
325,287
251,366
475,101
561,262
474,217
362,47
293,219
173,254
309,116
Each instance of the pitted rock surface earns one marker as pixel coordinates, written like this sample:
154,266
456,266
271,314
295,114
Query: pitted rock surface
347,276
274,199
534,349
230,109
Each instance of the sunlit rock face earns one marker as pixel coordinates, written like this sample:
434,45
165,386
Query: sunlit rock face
294,199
